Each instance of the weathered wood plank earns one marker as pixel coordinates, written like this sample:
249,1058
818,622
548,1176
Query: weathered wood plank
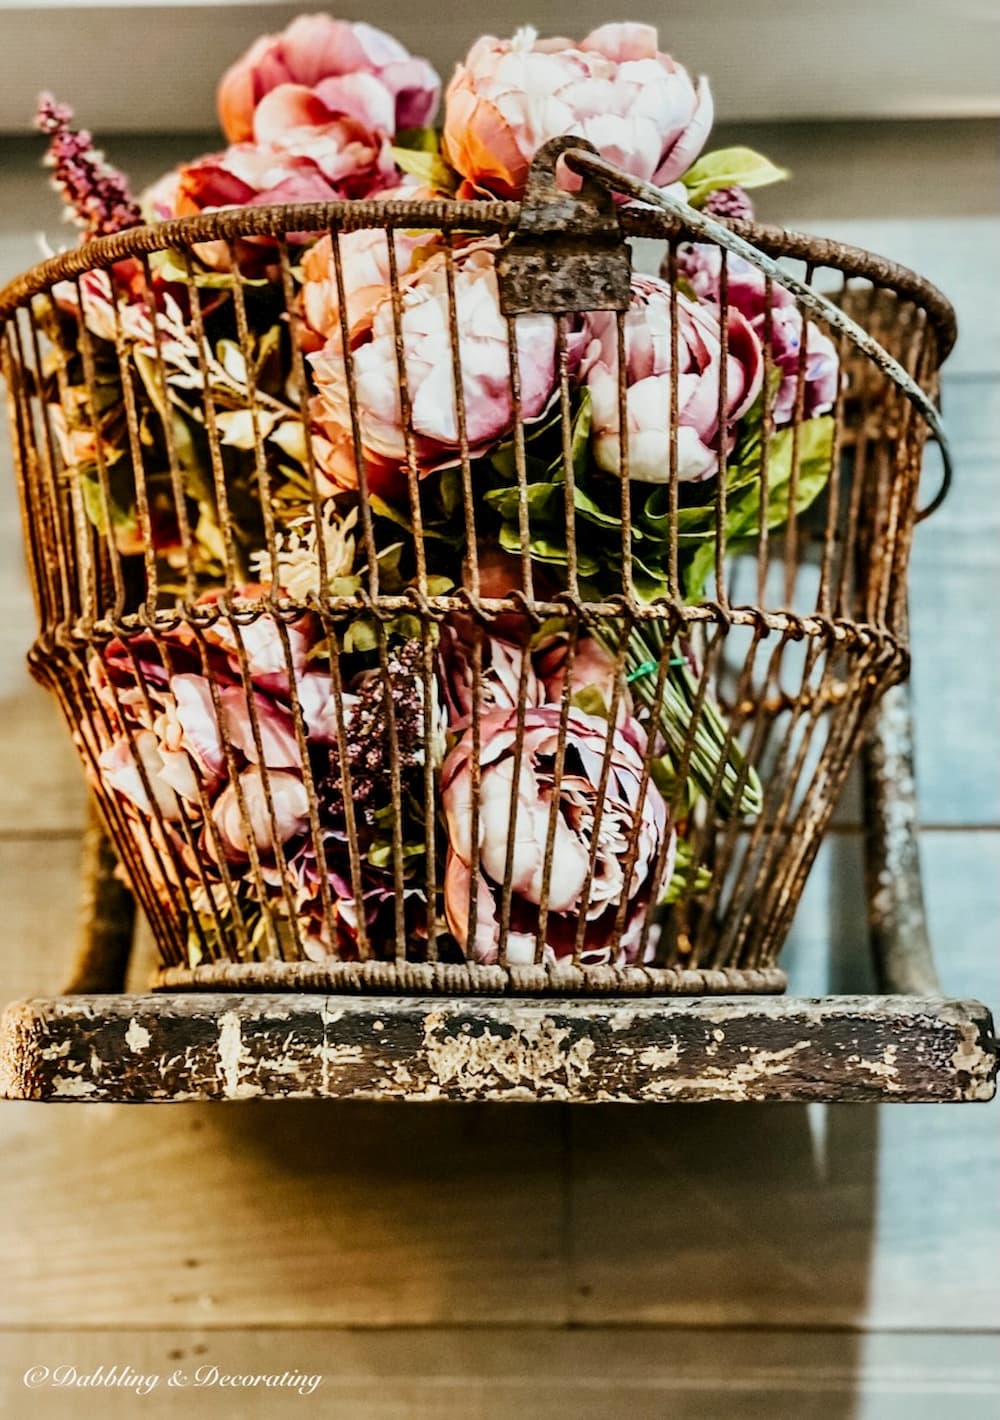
135,1049
499,1373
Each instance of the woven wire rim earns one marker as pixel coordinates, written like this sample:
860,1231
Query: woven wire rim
276,220
469,979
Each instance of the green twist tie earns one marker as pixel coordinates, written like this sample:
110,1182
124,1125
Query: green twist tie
651,667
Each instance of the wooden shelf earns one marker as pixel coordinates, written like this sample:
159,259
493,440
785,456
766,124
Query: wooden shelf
198,1046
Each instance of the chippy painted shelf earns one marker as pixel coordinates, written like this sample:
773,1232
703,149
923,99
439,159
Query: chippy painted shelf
145,1049
908,1045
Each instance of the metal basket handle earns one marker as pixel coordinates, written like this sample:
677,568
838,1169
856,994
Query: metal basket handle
587,162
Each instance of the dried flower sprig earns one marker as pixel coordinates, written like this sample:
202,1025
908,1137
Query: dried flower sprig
733,202
368,736
96,195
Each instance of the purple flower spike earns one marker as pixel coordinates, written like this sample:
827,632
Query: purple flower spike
734,202
97,195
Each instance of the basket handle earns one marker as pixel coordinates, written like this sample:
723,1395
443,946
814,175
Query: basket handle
589,164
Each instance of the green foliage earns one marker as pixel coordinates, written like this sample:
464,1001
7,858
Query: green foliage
729,167
684,883
809,457
418,152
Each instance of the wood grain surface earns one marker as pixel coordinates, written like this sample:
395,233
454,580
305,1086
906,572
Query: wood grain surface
495,1373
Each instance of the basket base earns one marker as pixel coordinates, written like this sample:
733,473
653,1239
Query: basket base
467,979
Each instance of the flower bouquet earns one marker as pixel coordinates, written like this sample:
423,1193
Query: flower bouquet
402,633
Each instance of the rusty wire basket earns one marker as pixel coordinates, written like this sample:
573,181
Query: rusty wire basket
302,730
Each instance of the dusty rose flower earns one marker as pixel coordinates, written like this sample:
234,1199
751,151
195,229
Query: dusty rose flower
616,89
364,257
503,659
194,713
593,667
120,768
339,159
185,738
746,292
648,354
622,818
501,672
337,67
484,368
291,812
264,650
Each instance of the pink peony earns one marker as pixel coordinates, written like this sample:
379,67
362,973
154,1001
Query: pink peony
289,801
341,159
746,292
364,258
622,818
502,670
328,68
484,369
593,668
615,89
648,353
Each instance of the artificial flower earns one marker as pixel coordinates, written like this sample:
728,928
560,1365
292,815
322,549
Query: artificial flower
627,817
297,567
635,104
325,67
700,265
648,343
269,824
484,366
339,159
365,271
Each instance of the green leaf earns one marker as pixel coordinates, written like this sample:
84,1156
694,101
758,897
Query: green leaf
237,427
419,140
542,550
699,570
542,499
593,513
360,636
428,168
394,515
450,490
591,702
169,266
580,448
815,458
729,167
93,504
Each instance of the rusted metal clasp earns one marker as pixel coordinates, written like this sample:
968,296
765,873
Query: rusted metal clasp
568,252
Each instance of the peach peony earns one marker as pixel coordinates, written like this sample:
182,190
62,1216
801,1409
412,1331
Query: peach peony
616,89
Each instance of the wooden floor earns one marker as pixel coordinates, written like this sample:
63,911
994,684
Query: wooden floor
492,1261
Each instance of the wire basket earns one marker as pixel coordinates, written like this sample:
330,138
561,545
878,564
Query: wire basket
516,637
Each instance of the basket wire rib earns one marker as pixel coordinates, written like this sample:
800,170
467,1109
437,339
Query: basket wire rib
799,631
